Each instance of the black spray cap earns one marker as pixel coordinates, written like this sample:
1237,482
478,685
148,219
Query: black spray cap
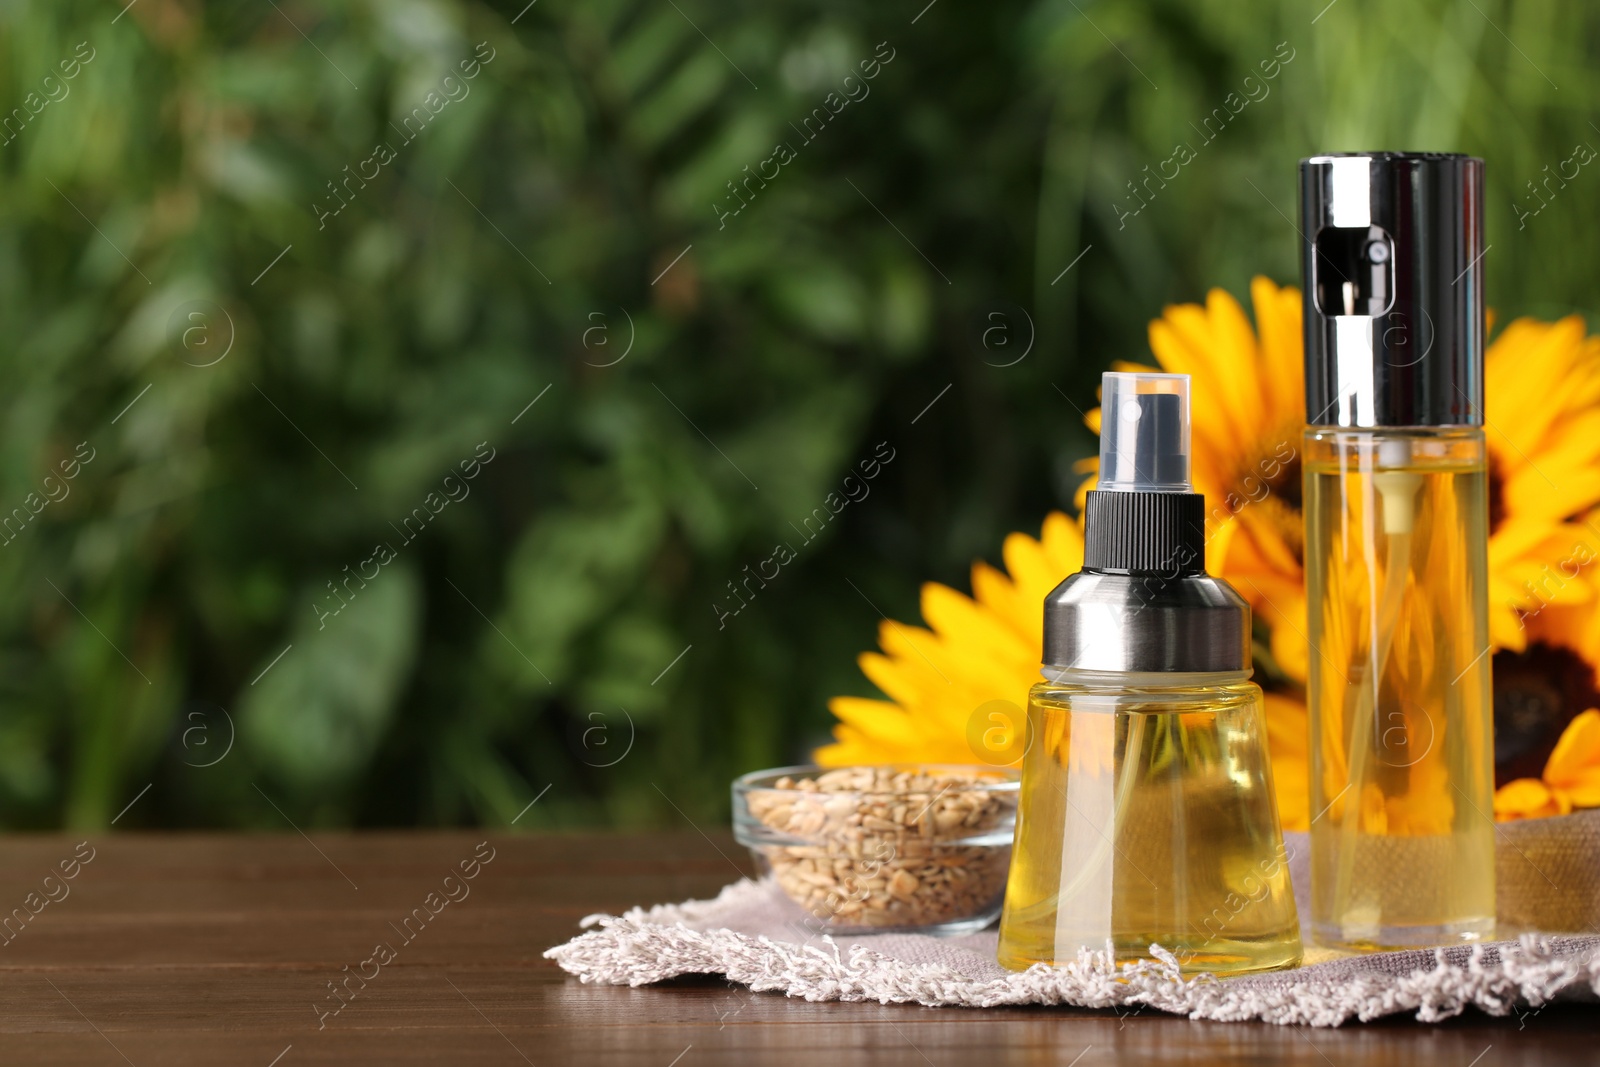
1392,268
1144,517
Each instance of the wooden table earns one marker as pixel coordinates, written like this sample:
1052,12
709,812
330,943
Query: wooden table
210,949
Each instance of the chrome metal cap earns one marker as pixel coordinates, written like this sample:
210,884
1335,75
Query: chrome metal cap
1392,269
1127,622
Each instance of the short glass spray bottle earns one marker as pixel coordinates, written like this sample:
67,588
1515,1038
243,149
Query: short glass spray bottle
1146,814
1402,755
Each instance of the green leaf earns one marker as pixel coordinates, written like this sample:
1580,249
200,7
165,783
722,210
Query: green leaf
571,569
316,716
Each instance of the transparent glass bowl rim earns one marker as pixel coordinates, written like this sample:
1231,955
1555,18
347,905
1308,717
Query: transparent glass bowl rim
753,833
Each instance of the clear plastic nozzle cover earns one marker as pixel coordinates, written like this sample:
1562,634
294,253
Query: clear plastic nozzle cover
1144,433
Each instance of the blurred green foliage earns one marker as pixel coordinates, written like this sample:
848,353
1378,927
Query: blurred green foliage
169,620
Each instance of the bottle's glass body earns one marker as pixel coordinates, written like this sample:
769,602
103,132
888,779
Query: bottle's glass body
1402,723
1147,817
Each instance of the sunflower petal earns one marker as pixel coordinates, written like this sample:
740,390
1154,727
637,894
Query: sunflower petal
1282,380
1525,798
1577,753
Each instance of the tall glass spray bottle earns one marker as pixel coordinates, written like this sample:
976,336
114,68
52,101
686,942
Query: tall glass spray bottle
1402,760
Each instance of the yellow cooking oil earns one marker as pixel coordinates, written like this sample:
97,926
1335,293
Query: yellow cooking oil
1401,723
1147,817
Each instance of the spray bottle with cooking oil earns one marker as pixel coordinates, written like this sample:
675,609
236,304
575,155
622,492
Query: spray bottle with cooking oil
1401,723
1146,814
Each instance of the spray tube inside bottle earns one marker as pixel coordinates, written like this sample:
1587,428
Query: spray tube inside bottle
1396,479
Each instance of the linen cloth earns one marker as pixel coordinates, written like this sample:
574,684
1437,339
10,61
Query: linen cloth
1548,878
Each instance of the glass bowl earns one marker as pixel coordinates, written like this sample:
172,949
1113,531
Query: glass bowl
878,849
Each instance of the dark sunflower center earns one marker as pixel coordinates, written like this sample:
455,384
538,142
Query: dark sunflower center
1271,488
1287,486
1497,496
1537,692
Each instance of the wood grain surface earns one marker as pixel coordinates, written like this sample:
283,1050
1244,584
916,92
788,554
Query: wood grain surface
220,949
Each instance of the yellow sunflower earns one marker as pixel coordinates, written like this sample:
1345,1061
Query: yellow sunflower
1538,693
966,677
1542,425
957,689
